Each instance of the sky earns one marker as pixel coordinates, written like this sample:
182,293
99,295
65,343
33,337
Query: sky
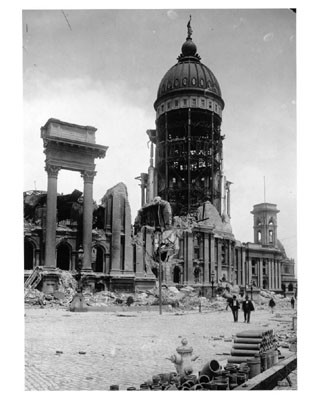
103,68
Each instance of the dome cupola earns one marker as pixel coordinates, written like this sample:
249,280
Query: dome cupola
189,77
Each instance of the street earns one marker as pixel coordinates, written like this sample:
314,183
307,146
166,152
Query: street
94,350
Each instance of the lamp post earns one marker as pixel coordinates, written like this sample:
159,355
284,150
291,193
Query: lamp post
159,233
212,281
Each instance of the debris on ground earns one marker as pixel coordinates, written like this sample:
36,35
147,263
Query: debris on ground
177,298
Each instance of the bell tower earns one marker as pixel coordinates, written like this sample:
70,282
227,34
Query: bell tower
265,224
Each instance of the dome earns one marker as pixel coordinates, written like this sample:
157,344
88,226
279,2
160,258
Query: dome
189,75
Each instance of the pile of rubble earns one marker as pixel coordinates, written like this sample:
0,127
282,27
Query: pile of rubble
185,298
266,295
61,297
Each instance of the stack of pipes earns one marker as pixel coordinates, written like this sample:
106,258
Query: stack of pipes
253,343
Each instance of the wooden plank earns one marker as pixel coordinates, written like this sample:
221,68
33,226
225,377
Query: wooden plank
268,379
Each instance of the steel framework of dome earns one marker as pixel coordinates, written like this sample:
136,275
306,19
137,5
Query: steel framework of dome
188,136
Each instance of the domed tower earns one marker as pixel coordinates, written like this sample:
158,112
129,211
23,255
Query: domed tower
188,137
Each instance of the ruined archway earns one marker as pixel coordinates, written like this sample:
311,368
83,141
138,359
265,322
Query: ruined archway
29,251
63,257
70,147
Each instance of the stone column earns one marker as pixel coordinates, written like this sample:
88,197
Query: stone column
243,267
235,270
219,259
229,261
212,260
269,274
279,275
143,185
261,266
275,275
128,251
237,263
206,243
189,259
88,177
50,247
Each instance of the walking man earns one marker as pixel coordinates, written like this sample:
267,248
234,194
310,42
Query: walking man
234,305
292,302
247,307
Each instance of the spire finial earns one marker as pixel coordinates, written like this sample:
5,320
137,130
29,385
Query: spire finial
189,29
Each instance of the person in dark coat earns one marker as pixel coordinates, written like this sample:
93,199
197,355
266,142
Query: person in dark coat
292,302
234,305
247,307
272,304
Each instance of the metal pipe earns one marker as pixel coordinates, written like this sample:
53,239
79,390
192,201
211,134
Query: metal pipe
246,346
247,340
244,352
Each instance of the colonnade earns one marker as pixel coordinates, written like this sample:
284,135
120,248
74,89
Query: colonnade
51,220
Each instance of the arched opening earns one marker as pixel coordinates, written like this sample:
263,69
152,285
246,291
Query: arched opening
290,287
28,255
63,256
98,260
271,237
177,274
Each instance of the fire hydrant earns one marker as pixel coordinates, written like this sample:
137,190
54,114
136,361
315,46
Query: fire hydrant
183,360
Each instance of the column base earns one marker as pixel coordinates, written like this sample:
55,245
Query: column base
50,280
145,282
88,281
123,283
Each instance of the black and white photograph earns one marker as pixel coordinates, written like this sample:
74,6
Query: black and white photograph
160,198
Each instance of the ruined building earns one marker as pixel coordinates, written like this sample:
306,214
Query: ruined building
185,189
186,169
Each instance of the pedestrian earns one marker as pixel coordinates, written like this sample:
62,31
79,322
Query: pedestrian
247,307
292,302
272,305
234,305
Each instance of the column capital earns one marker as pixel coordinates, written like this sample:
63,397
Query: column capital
88,176
52,170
